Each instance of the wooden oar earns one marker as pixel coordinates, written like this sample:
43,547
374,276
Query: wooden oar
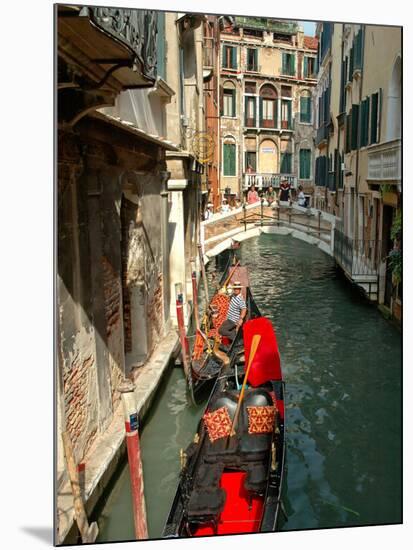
254,345
224,286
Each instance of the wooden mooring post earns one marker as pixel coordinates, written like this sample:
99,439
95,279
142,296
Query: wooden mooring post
88,532
126,389
262,211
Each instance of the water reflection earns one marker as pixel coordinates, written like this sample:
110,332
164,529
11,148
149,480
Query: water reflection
342,366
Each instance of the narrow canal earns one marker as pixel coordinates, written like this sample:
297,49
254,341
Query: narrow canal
342,366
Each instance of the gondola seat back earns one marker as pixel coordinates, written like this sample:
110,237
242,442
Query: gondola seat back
225,448
254,447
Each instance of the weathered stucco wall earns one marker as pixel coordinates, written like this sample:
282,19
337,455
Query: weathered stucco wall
93,241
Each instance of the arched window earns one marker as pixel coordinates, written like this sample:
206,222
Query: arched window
268,107
229,99
305,107
229,153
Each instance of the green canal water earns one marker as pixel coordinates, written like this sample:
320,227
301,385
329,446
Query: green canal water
342,367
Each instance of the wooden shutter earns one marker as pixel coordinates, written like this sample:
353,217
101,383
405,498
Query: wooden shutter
284,64
261,114
305,109
305,71
232,160
234,109
292,65
226,159
221,100
224,56
364,130
233,57
374,113
305,156
380,104
354,126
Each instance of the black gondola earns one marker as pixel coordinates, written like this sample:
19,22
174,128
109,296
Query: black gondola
209,353
232,483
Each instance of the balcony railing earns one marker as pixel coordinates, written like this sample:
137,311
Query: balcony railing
384,162
266,24
263,181
359,258
137,29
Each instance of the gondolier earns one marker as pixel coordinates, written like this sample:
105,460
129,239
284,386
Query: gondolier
236,313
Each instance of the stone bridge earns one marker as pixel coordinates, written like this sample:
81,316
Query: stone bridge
308,224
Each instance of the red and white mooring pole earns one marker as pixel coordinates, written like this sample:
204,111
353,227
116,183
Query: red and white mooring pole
134,458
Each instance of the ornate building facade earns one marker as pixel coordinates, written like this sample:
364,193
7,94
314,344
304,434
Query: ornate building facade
267,75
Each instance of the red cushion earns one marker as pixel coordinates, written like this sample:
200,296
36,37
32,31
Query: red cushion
261,419
218,423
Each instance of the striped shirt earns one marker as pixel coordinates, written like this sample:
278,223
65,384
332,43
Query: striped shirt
236,305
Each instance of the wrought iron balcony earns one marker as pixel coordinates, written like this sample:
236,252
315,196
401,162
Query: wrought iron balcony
263,180
117,46
384,162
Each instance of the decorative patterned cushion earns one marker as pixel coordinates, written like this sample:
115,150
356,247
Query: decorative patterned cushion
261,419
218,423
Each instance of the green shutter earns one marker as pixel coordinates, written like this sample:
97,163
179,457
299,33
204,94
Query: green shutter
305,70
284,64
233,58
232,160
226,159
224,56
305,109
374,112
229,159
234,111
289,110
354,126
285,163
305,160
364,130
260,114
292,72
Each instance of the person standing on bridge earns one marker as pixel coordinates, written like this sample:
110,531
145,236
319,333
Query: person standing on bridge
270,195
285,190
236,313
252,196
